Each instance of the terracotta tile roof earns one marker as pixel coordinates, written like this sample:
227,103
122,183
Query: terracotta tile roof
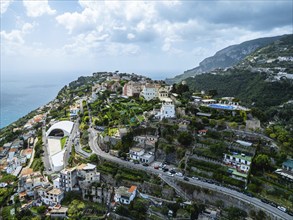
27,151
132,188
13,150
27,171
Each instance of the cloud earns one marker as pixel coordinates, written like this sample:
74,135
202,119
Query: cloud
4,4
37,8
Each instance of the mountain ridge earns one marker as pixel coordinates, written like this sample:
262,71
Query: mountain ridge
225,57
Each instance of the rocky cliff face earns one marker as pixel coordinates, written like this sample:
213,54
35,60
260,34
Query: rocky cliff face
224,58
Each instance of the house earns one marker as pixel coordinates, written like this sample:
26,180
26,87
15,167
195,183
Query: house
135,153
87,174
68,179
27,153
50,195
30,180
131,89
240,162
74,111
287,170
163,93
167,111
147,158
202,132
288,165
149,92
125,195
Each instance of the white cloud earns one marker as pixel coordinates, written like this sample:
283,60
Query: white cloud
4,4
14,41
130,36
36,8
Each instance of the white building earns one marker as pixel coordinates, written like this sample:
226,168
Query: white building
135,153
149,92
167,111
125,195
87,174
240,162
68,179
147,158
50,195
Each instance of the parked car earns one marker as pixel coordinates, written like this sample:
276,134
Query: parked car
179,174
156,167
283,209
170,174
145,164
186,178
195,178
172,171
165,169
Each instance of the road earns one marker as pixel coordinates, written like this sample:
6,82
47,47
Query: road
253,201
69,142
33,153
45,157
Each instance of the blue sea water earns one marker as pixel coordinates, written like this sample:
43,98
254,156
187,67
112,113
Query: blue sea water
23,93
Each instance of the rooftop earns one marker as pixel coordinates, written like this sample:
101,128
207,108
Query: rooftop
247,158
136,149
132,188
55,191
288,163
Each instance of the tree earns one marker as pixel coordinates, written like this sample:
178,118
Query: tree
41,209
185,138
236,213
262,161
76,208
94,159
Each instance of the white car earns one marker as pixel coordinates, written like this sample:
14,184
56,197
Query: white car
170,174
282,208
195,178
179,174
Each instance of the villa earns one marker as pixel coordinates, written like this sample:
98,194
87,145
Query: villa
125,195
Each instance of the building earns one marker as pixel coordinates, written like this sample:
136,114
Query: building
87,174
125,195
288,165
98,192
163,93
131,89
167,111
58,212
238,161
135,153
50,195
68,179
146,141
30,180
149,92
147,158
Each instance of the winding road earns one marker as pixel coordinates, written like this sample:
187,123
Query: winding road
278,214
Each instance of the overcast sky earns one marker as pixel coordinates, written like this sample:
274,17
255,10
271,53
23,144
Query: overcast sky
155,37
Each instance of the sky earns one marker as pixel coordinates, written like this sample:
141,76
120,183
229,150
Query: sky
154,38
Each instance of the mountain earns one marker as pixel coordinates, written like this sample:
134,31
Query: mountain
224,58
264,79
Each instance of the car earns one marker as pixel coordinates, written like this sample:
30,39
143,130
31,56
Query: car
273,204
145,164
170,174
156,167
186,178
248,194
172,171
283,209
179,174
265,201
165,169
195,178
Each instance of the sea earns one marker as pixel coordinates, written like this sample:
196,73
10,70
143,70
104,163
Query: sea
23,93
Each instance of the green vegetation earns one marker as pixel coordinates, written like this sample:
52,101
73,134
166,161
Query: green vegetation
63,141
